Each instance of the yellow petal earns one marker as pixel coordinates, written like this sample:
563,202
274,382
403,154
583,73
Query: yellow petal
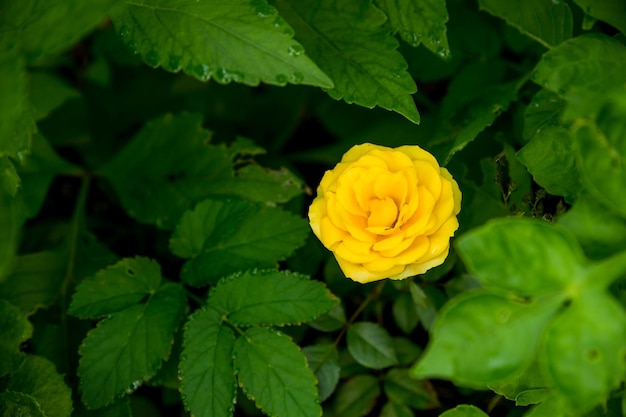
456,191
398,249
389,242
384,213
358,151
413,254
430,177
419,220
418,154
391,185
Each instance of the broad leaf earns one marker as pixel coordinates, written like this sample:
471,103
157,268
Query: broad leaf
391,409
206,366
19,404
334,320
239,41
127,348
405,312
419,22
584,350
547,22
38,378
14,330
221,237
115,288
543,111
402,389
324,362
464,410
612,12
523,255
424,305
47,93
9,215
371,345
356,397
169,166
349,42
475,340
269,297
281,385
530,387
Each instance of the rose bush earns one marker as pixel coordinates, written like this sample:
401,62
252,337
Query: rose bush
386,212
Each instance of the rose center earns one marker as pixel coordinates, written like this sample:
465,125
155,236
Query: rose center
382,213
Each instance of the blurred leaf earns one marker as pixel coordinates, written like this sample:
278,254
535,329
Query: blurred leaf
584,352
523,255
38,378
371,345
544,111
221,237
240,41
47,93
406,350
206,366
400,388
116,288
14,329
266,376
600,232
169,166
391,409
475,339
529,388
9,223
128,347
331,321
464,410
19,404
349,42
612,12
424,306
547,22
421,22
405,312
270,298
324,362
582,70
356,397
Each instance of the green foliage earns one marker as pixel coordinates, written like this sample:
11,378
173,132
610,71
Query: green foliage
157,159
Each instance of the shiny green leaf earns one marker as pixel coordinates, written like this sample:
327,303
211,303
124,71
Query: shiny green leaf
324,362
371,345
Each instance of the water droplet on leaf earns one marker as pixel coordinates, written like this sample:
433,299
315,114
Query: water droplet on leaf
281,78
295,50
296,78
175,62
152,58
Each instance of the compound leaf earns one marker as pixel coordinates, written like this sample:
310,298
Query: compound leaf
239,41
349,42
371,345
221,237
270,298
206,366
280,385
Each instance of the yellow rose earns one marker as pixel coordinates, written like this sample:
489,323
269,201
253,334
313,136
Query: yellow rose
386,213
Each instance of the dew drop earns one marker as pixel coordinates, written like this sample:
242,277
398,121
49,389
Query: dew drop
295,50
444,53
289,32
175,62
152,58
296,78
261,8
203,72
279,22
281,78
124,32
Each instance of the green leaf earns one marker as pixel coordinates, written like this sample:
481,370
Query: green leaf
221,237
47,28
323,360
406,350
543,111
280,385
391,409
115,288
424,305
371,345
38,378
48,92
523,255
421,22
464,410
9,215
612,12
16,120
584,350
356,397
169,166
350,43
14,330
331,321
475,340
270,298
547,22
239,41
19,404
529,388
206,366
583,70
405,312
400,388
127,348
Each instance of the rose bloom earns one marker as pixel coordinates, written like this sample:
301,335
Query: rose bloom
386,212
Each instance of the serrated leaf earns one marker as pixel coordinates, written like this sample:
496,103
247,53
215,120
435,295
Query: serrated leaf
464,410
419,22
270,297
19,404
31,22
38,378
169,166
14,330
612,12
402,389
239,41
206,366
221,237
371,345
127,348
115,288
350,43
47,92
356,397
583,70
552,261
547,22
584,352
323,360
280,385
